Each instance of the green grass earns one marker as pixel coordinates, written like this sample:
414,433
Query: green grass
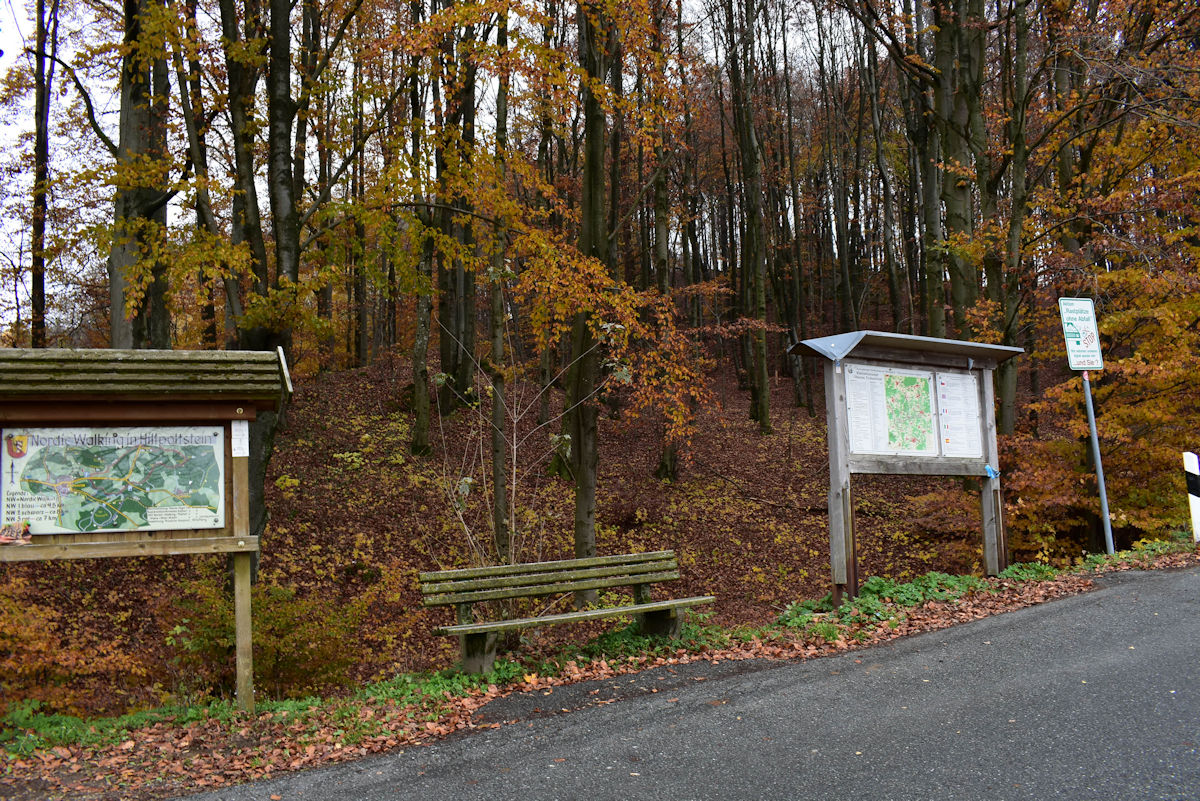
882,600
628,643
1028,571
878,600
27,728
419,689
1141,553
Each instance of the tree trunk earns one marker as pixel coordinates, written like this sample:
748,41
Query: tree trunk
456,282
423,323
1006,373
242,85
140,210
596,43
47,36
501,530
802,387
895,292
742,81
952,58
281,114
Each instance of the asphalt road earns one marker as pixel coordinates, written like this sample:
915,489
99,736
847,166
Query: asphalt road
1090,697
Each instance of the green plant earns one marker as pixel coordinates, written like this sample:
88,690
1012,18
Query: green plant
826,630
696,635
1028,571
817,624
287,484
30,726
798,613
349,460
410,688
878,600
1142,552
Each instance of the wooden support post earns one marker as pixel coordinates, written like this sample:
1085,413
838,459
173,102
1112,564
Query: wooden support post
245,648
241,585
995,545
842,560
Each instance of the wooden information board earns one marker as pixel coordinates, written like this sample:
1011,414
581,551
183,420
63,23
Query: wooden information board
111,453
900,404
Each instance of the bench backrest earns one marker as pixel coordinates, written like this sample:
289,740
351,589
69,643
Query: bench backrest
445,587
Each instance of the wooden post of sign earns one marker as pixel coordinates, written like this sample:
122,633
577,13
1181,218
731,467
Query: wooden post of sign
843,559
241,585
995,541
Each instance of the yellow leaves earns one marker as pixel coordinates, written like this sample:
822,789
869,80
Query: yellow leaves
287,484
558,282
984,319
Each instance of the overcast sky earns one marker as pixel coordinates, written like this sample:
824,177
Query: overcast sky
13,24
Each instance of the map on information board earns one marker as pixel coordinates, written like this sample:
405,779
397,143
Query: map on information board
897,411
891,410
65,480
908,412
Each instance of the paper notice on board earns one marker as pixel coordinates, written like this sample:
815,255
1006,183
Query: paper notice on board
958,415
240,438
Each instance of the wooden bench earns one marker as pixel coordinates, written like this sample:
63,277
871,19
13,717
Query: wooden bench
463,588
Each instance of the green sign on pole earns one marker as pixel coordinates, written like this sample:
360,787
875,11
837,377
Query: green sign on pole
1081,333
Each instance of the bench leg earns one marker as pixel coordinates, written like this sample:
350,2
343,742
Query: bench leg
664,623
478,652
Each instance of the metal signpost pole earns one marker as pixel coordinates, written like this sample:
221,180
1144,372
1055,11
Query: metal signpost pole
1091,415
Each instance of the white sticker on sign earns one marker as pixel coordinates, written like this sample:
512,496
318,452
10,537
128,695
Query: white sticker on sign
240,438
958,415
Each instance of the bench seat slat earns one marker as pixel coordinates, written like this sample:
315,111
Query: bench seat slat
622,580
538,567
548,577
568,617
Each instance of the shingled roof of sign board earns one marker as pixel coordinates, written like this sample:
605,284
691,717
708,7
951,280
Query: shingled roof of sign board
57,373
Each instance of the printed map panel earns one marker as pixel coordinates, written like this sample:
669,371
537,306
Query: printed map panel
114,479
891,410
909,413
